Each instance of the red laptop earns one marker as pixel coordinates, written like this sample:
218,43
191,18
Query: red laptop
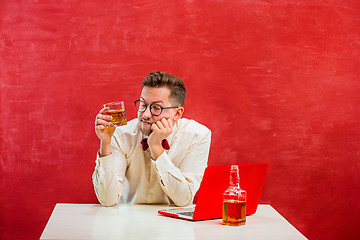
214,183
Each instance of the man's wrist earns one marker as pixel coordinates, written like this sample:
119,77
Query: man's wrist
156,151
105,149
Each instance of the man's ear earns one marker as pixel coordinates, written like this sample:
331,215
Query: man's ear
178,114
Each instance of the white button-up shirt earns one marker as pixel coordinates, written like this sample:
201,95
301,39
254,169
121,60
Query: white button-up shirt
130,175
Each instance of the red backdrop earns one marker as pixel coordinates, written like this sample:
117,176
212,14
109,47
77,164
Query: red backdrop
276,81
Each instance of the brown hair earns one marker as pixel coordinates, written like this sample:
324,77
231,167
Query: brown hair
162,79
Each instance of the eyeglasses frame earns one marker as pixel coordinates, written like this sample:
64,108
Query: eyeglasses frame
147,105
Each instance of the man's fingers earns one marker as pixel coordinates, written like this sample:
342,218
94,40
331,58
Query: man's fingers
100,118
162,126
100,127
102,122
104,117
170,122
103,128
105,109
165,123
155,126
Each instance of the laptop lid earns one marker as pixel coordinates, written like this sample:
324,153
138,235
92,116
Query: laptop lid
216,181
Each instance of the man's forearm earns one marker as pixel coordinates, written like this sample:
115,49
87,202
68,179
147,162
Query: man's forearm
156,151
105,149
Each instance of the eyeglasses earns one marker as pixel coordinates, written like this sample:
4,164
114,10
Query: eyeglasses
155,108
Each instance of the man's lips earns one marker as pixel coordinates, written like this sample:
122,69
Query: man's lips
146,122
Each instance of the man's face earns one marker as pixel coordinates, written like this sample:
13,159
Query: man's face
159,96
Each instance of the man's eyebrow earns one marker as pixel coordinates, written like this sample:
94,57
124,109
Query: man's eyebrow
152,102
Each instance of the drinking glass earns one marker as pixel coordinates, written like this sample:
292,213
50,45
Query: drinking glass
117,112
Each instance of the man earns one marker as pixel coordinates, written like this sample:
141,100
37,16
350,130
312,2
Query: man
127,171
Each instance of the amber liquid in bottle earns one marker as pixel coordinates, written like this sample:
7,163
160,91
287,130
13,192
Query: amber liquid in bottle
234,201
234,212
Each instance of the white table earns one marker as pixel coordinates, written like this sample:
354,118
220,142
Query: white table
93,221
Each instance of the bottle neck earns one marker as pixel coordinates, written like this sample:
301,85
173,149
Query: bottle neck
234,178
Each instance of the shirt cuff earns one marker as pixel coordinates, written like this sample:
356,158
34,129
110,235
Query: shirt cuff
107,163
164,166
163,163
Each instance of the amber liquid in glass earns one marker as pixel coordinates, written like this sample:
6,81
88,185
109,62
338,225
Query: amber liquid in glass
234,213
118,117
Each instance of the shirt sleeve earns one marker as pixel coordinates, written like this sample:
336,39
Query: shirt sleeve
108,177
181,183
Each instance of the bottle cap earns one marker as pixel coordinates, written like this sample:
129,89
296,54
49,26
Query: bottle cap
234,167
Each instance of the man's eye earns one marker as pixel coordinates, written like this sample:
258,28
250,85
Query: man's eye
156,107
142,105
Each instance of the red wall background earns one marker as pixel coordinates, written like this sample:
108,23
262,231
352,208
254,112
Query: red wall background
276,81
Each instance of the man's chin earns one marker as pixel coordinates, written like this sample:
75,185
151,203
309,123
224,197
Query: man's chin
145,132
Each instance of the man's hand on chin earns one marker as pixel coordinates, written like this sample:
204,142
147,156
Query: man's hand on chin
159,131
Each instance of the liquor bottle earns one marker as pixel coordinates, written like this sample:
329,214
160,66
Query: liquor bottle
234,201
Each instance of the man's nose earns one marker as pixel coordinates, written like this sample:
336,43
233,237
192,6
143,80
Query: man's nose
147,113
